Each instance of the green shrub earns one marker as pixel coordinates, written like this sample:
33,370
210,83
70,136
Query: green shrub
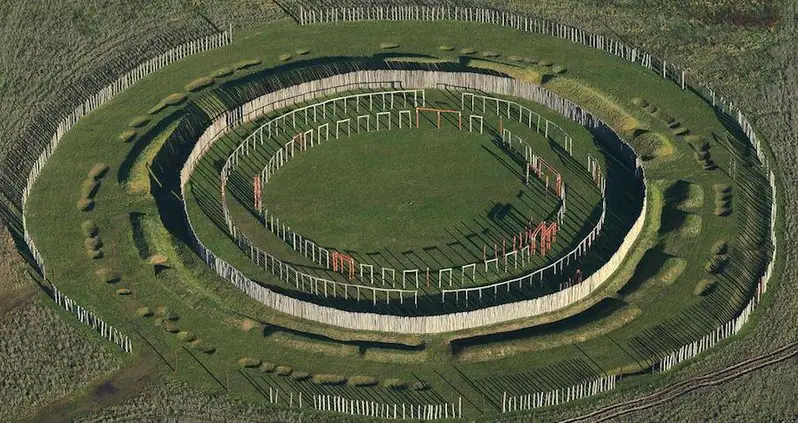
170,327
123,291
681,131
249,362
89,188
419,386
285,57
720,247
467,50
139,121
300,376
302,51
221,73
267,367
544,63
127,135
98,171
283,370
144,312
363,381
388,46
559,69
396,384
85,204
89,228
244,64
107,275
329,379
203,346
490,54
640,102
199,84
704,287
93,243
94,254
445,48
185,336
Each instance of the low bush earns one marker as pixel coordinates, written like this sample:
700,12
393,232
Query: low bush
363,381
170,327
85,204
89,188
107,275
396,384
467,50
285,57
704,287
127,135
640,102
123,291
302,51
267,367
419,386
139,121
249,362
388,46
199,84
185,336
329,379
98,171
720,247
300,376
283,370
93,243
244,64
490,54
559,69
203,346
89,228
221,73
94,254
445,48
144,312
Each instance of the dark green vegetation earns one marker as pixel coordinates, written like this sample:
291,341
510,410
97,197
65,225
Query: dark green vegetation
703,46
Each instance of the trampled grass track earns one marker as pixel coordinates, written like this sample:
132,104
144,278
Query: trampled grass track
678,389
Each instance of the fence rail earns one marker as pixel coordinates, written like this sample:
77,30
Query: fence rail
394,411
413,324
511,403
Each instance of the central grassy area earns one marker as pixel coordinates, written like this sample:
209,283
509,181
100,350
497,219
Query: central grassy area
404,190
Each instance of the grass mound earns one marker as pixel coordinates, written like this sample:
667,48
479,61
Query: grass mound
283,370
85,204
199,84
267,367
89,228
185,336
89,188
559,69
144,312
329,379
285,57
302,51
139,121
249,362
107,275
127,135
395,384
419,386
544,63
93,243
123,291
95,254
704,287
203,346
98,171
388,46
445,48
490,54
720,247
223,72
300,376
467,50
244,64
363,381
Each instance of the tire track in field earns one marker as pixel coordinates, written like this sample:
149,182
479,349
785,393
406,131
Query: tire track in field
681,388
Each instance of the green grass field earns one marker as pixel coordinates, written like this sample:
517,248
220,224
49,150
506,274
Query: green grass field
625,334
